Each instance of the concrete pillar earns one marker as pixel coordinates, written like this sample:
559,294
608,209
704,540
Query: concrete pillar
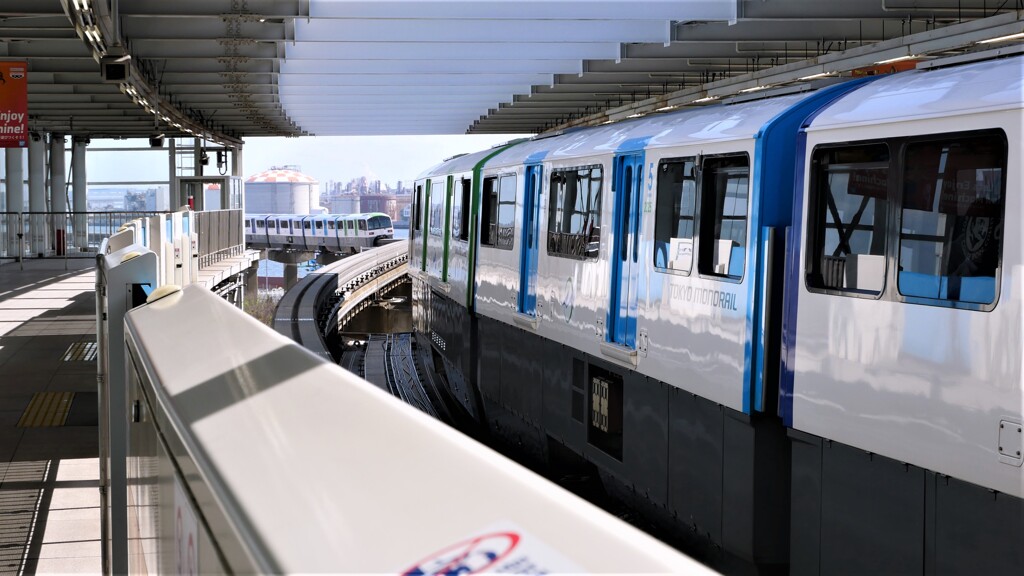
58,192
197,153
78,193
37,193
291,276
251,282
236,161
15,176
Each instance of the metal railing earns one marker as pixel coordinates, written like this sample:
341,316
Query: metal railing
221,235
67,234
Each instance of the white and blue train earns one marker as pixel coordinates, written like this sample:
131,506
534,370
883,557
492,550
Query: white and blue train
323,232
790,327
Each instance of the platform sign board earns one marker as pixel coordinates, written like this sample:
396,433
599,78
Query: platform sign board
504,548
13,104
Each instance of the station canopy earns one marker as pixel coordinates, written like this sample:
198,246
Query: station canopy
227,69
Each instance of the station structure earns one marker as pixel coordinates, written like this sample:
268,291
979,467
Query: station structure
195,440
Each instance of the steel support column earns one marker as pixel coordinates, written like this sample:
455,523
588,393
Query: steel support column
78,192
58,192
15,177
37,193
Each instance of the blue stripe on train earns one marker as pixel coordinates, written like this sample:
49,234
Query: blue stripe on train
773,206
793,267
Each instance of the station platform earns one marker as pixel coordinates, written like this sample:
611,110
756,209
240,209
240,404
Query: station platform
49,468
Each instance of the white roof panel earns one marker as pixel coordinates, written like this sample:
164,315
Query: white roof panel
978,87
707,124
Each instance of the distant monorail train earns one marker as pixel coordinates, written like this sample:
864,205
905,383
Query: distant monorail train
324,232
790,327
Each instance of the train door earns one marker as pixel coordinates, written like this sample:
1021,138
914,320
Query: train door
626,216
531,238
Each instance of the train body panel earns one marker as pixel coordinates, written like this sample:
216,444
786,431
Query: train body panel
688,301
917,354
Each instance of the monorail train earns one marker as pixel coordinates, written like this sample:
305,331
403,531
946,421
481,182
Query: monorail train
790,327
323,232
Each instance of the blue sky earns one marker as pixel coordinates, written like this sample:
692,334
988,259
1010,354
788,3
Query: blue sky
388,158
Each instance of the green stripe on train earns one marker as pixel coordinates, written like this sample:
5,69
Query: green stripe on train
426,223
475,218
448,227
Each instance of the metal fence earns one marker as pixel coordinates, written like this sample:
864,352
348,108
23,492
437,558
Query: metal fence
64,234
221,235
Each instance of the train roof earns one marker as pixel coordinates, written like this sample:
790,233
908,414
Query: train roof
464,163
917,94
706,124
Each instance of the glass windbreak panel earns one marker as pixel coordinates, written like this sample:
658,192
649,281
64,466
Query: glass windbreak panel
723,220
952,218
848,210
506,211
489,212
574,212
675,215
437,194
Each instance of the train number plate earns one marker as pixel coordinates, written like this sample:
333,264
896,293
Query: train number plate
599,404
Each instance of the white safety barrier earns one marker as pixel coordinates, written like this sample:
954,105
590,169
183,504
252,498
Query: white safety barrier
249,454
142,256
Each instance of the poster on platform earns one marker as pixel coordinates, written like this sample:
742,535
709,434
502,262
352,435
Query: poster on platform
13,104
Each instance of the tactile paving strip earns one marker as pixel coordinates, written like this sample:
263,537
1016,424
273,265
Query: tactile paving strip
81,352
47,409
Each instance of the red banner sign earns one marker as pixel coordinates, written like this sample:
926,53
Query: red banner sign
13,104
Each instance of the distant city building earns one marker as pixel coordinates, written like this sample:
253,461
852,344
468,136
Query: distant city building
132,199
282,190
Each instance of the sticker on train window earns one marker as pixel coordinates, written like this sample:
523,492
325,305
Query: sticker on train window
503,549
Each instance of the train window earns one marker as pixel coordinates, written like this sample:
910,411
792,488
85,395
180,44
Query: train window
674,215
417,202
574,212
330,224
848,209
489,213
951,222
497,217
460,211
723,216
259,223
506,211
306,225
437,194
